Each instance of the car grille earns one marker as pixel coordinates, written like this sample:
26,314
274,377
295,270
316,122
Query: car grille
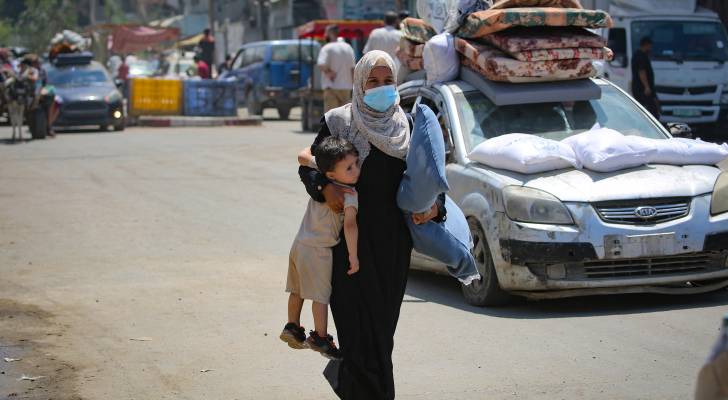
676,265
85,106
672,265
681,90
643,212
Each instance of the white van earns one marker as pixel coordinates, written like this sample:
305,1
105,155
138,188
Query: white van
689,55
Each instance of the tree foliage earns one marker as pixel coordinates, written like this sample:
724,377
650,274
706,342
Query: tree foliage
42,19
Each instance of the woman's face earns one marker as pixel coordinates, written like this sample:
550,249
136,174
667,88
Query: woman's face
380,76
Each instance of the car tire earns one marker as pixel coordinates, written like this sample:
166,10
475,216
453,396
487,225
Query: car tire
305,126
120,126
39,126
487,290
283,113
255,108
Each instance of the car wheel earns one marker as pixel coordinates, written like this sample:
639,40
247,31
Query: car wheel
255,109
487,291
284,112
305,126
120,126
39,130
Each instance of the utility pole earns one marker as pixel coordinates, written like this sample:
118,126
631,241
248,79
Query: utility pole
211,16
92,12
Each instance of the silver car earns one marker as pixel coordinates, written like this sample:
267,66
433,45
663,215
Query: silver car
657,228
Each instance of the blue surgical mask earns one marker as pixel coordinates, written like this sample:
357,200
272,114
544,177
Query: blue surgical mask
381,98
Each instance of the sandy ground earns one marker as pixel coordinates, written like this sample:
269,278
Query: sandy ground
131,262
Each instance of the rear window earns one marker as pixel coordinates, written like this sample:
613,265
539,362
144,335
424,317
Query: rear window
294,52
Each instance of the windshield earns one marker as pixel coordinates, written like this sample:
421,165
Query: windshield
677,40
290,52
75,76
480,119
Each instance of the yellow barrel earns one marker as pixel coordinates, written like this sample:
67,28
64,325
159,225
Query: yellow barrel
151,96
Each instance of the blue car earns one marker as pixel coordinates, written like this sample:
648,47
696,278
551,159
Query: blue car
270,73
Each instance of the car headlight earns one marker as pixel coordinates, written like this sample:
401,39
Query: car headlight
719,202
113,97
532,205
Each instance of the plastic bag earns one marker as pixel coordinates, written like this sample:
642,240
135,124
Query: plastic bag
527,154
606,150
682,151
441,15
440,58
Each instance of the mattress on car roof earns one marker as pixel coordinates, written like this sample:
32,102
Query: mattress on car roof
417,30
497,66
481,23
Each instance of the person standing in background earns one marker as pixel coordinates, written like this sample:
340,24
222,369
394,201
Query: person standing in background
386,38
226,65
643,78
207,49
122,74
403,14
336,61
203,69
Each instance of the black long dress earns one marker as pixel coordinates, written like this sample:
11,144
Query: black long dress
365,306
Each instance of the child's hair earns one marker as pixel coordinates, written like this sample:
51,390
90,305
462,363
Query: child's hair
332,150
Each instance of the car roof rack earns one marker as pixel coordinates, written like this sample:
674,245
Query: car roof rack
506,94
66,59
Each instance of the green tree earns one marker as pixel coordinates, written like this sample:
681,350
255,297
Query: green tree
42,19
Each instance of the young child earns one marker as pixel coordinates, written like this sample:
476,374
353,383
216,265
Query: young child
310,260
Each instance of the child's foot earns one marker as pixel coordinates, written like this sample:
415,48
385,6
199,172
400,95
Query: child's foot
294,336
325,346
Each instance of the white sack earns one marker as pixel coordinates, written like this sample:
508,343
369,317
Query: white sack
439,14
681,151
527,154
606,150
440,59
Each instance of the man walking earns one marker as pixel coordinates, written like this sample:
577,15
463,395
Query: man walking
643,78
386,38
336,61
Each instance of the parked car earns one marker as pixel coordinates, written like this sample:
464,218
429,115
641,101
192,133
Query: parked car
86,93
270,73
657,228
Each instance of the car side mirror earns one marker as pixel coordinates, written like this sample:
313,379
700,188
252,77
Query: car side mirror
619,61
119,83
680,130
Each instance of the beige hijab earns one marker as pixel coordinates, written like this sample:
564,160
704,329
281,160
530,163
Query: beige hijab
356,122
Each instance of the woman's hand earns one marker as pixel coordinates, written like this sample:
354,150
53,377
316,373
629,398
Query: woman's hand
334,196
421,218
353,265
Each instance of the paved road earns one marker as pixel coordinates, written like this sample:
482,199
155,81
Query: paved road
131,262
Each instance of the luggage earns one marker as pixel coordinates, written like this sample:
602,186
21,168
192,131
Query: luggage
410,54
497,66
682,151
490,21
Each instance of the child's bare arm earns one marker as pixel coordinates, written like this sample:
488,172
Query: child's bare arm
307,159
351,233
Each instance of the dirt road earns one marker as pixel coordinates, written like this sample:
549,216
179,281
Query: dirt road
130,263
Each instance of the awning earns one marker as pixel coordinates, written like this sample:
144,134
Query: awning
191,41
129,39
348,29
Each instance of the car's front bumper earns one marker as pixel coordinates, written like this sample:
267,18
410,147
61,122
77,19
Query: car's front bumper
90,113
687,254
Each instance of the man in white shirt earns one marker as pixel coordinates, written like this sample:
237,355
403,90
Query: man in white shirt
336,61
386,38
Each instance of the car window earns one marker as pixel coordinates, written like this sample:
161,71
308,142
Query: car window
294,52
75,76
238,61
480,119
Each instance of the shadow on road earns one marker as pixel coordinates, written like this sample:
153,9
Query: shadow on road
444,290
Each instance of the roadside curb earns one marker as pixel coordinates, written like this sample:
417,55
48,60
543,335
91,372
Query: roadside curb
176,121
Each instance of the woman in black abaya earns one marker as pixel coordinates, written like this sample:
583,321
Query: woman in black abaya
365,306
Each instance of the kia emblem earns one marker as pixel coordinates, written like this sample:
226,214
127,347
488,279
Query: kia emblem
645,212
